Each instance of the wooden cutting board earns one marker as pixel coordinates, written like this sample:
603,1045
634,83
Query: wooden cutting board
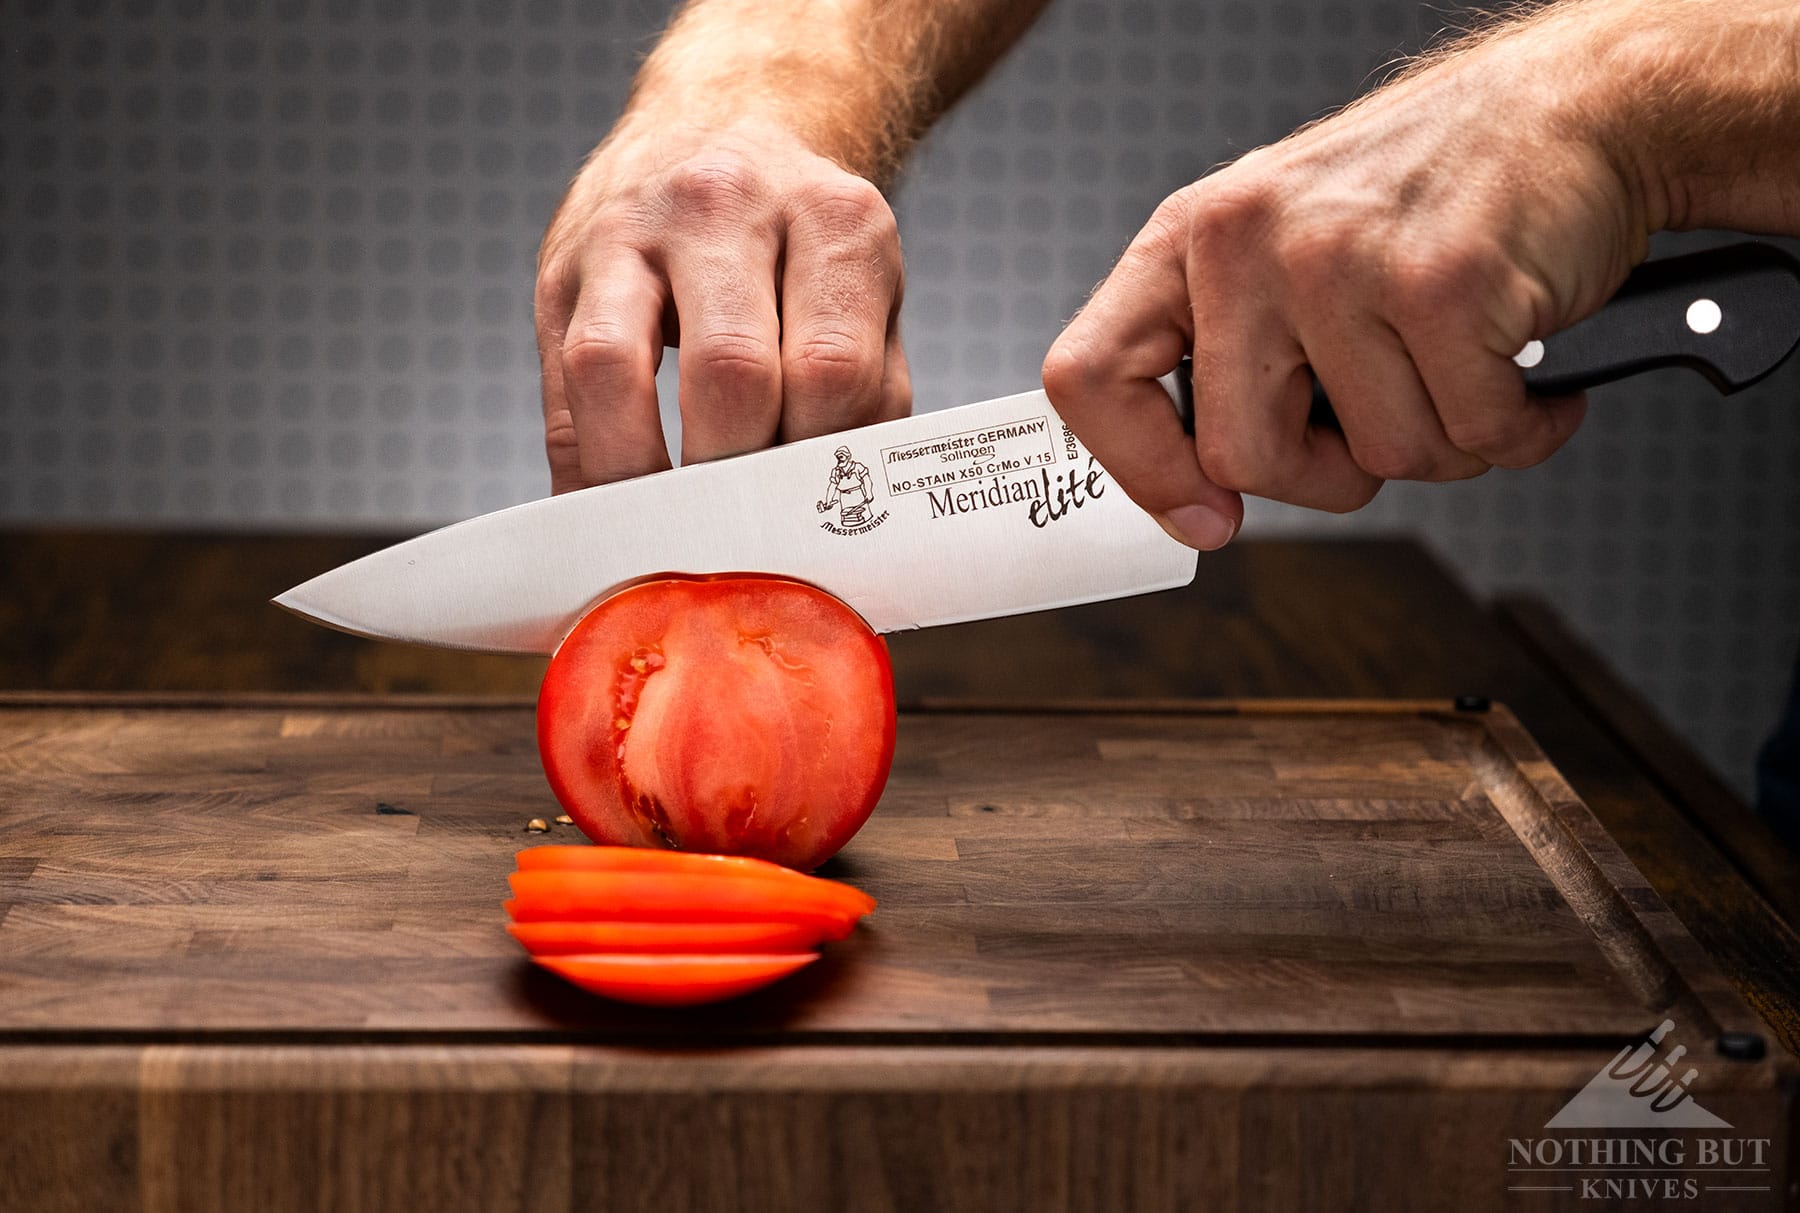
324,870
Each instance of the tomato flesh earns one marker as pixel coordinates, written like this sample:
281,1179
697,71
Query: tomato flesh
567,938
551,896
674,980
735,715
603,859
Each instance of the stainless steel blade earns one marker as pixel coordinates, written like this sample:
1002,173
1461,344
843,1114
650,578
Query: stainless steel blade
969,513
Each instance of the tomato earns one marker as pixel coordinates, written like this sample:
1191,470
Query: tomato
552,896
735,714
565,938
674,980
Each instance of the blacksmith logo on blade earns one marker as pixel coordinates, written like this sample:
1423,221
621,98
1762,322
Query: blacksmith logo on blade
850,495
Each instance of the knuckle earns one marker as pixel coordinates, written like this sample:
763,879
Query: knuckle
736,363
1230,463
1068,373
1170,227
1437,286
559,434
718,182
1391,460
831,364
1502,441
1317,261
850,206
1230,216
600,351
555,290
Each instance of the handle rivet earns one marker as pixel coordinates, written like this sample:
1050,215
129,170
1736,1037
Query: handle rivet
1531,355
1703,316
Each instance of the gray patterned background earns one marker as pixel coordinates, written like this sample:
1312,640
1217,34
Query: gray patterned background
269,265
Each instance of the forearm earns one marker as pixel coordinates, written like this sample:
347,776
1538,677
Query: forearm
1712,109
1694,103
858,80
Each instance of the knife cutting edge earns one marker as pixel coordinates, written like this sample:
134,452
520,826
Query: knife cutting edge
975,512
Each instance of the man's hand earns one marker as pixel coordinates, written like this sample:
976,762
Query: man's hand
1401,252
775,271
735,212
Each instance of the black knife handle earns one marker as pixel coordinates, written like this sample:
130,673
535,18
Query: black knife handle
1731,313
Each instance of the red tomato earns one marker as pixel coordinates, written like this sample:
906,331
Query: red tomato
736,714
674,980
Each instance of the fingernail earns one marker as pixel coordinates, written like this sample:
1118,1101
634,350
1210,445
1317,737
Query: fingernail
1199,527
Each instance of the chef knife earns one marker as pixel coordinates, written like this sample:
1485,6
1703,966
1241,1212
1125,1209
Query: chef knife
975,512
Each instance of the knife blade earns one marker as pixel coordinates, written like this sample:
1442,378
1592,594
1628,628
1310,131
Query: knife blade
990,509
985,510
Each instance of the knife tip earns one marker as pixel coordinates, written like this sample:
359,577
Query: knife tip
287,602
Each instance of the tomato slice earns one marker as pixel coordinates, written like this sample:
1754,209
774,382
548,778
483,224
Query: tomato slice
706,938
674,980
643,859
552,896
734,714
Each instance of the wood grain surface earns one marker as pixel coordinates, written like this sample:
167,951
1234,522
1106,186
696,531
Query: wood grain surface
1310,870
563,1110
1278,956
562,1128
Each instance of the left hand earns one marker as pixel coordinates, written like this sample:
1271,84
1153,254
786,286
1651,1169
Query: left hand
1401,252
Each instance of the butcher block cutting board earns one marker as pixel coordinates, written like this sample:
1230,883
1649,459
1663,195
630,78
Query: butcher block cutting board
323,870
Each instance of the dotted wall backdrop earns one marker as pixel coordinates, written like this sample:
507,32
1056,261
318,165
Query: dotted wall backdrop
270,265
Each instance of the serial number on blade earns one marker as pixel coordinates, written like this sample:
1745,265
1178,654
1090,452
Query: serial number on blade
992,450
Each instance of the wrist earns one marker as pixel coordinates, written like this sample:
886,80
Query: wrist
823,95
1699,102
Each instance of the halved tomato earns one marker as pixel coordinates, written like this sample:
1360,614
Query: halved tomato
674,980
706,938
733,714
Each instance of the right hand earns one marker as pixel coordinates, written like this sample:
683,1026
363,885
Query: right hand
1401,251
776,272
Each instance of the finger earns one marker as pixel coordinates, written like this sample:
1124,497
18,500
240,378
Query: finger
1465,357
1484,409
1101,376
608,369
896,378
1387,416
1252,403
896,371
724,288
840,277
551,304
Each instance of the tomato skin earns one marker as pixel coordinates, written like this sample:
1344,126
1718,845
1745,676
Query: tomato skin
736,714
674,980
